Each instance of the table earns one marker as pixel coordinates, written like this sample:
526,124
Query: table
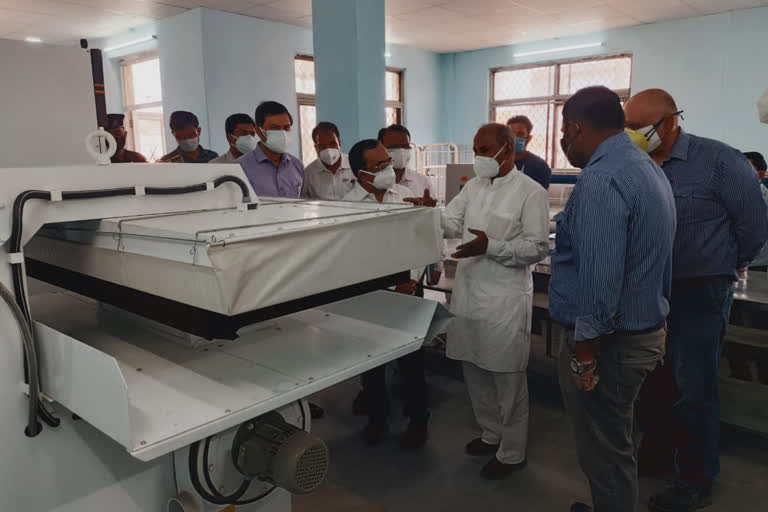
753,289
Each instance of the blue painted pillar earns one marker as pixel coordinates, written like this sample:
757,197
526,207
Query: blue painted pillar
349,49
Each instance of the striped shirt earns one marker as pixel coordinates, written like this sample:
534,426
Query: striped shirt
612,263
721,217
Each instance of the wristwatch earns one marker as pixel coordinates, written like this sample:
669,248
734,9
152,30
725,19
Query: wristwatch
580,368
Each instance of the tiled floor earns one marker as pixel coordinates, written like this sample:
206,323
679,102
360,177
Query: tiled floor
441,478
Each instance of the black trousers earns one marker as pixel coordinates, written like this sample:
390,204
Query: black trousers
414,387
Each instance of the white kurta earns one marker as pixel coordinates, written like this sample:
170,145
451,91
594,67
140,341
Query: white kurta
492,295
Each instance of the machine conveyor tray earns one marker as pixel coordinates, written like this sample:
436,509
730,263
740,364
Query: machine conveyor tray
154,396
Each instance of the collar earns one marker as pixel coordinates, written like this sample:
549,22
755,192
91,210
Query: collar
361,194
260,156
608,145
344,165
680,149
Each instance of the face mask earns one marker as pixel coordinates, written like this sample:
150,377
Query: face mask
486,166
384,179
189,145
400,158
277,140
245,143
566,146
646,138
330,156
520,145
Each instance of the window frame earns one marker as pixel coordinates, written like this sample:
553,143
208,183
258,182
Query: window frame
555,100
310,100
398,105
130,109
303,99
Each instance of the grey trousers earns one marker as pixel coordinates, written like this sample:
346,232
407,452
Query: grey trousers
603,419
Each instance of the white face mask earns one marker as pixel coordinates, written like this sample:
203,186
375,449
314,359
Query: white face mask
646,138
486,166
330,156
189,145
245,143
400,158
384,179
277,140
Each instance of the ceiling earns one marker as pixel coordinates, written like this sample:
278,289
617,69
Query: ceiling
439,25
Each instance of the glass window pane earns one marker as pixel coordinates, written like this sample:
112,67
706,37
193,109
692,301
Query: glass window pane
540,116
612,73
308,121
148,135
524,83
305,76
393,86
392,116
146,82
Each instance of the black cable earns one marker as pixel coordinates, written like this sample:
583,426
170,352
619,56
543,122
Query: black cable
14,246
209,481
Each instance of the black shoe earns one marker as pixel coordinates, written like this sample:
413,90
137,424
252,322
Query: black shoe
680,498
580,507
316,411
375,432
415,437
496,470
477,447
359,406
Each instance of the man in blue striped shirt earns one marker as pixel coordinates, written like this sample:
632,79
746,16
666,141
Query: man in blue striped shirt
721,226
610,286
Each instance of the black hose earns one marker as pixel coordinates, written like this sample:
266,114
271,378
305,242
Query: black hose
31,371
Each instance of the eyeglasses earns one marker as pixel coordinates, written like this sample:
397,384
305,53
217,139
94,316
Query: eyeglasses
382,165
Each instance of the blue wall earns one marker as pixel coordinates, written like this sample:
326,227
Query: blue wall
215,64
715,66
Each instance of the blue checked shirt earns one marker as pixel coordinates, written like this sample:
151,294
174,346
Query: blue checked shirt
612,263
721,216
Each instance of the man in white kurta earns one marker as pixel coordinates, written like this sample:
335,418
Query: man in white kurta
502,216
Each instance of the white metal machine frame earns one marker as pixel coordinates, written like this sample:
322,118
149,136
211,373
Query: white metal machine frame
130,399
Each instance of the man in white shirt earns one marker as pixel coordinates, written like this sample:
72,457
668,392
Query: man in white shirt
329,177
241,135
502,216
397,139
372,167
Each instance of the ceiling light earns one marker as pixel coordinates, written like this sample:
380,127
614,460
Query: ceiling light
129,43
558,49
33,40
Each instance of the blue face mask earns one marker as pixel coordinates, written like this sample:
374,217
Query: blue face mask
520,145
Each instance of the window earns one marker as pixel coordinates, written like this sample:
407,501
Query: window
394,109
540,91
304,68
142,102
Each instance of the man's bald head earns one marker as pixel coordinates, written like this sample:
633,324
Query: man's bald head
500,132
654,112
648,107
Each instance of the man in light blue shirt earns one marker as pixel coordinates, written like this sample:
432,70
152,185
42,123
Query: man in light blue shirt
610,288
721,227
270,169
